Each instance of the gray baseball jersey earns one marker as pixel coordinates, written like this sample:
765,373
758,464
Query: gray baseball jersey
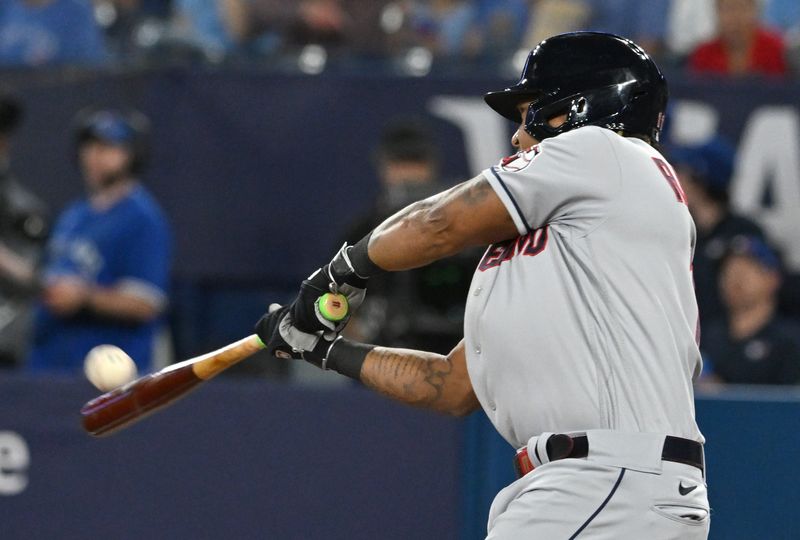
588,319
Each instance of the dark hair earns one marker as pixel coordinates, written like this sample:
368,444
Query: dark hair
127,128
756,248
407,140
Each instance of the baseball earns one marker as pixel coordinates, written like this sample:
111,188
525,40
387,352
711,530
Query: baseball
108,366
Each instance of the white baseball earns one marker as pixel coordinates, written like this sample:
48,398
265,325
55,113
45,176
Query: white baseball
108,366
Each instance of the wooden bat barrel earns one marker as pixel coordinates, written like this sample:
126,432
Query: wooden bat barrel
127,404
130,403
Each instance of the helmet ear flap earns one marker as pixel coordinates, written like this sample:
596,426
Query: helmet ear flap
604,106
578,111
537,121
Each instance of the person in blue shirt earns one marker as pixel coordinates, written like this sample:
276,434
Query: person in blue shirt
645,22
783,15
107,262
50,32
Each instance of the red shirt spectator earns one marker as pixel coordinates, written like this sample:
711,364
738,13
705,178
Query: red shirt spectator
742,46
765,56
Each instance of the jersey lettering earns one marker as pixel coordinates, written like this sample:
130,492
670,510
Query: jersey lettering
666,170
530,245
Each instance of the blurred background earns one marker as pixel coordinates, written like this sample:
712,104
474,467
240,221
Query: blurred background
259,136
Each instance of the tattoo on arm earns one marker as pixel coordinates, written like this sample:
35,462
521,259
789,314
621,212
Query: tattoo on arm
474,192
465,215
471,193
419,206
413,377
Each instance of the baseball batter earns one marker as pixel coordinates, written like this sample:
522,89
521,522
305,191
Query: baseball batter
581,324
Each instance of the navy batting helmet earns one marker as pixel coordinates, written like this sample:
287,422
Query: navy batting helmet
595,79
129,129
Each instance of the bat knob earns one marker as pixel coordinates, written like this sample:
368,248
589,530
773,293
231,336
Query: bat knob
333,306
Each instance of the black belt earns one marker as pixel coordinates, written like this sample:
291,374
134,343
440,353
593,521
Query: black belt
562,446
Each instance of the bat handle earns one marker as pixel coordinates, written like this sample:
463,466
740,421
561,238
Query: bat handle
333,306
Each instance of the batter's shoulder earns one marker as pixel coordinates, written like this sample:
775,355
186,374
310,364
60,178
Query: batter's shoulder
585,134
586,142
586,148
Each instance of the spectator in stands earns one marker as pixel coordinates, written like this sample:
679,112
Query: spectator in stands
498,28
107,262
550,17
705,173
49,32
322,22
214,26
643,22
742,46
23,226
263,27
444,27
689,23
784,15
407,166
754,345
131,26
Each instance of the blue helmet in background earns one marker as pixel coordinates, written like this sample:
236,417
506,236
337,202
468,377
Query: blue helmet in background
130,130
756,248
711,164
595,78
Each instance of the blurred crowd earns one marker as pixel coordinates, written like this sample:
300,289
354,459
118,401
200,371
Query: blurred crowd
747,335
68,287
735,37
65,286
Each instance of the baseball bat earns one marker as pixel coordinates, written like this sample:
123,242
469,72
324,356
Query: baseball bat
126,405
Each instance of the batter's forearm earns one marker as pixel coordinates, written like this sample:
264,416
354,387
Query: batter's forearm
421,379
413,237
466,215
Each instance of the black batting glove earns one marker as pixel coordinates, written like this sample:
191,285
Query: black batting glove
338,276
283,340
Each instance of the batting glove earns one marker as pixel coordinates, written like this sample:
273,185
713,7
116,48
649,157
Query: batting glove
339,277
283,339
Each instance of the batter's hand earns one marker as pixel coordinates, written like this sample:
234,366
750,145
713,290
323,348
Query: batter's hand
338,276
284,340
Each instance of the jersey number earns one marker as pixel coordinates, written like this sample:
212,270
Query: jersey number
666,170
